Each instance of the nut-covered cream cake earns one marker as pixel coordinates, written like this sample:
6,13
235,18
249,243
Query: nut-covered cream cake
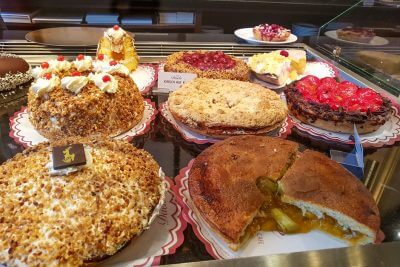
83,98
74,216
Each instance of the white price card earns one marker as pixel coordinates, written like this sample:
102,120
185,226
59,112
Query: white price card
173,80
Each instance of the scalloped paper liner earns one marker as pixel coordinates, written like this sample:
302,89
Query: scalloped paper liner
263,243
145,77
23,132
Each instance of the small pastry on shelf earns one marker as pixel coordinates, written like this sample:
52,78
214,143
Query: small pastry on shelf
118,45
271,33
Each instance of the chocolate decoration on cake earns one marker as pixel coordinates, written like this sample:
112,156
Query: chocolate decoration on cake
14,71
68,156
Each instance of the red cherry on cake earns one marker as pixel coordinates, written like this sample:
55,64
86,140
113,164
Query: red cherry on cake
116,27
100,56
106,78
284,53
76,73
113,63
60,58
47,76
45,65
80,57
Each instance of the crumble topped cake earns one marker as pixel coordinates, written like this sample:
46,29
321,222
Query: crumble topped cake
59,219
208,64
15,72
334,106
220,108
271,33
100,100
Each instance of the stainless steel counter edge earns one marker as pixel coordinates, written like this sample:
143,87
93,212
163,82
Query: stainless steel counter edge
386,254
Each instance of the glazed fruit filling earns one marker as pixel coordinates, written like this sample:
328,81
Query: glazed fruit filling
270,31
344,95
274,215
209,60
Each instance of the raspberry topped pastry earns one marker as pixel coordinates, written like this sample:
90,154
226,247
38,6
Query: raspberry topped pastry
271,33
334,106
208,64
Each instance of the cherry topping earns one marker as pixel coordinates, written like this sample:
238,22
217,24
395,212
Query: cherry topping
76,73
209,60
106,78
47,76
80,57
116,27
100,56
113,63
45,65
60,58
284,53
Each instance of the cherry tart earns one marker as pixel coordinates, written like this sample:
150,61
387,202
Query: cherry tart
208,64
271,33
333,106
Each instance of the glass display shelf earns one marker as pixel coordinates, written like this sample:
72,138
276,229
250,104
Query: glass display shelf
173,152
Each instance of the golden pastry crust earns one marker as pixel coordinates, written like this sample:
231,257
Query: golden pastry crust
240,72
89,113
84,216
222,180
327,186
225,107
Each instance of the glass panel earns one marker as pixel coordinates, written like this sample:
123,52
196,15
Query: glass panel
366,38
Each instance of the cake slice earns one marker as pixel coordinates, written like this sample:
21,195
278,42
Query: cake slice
270,67
389,63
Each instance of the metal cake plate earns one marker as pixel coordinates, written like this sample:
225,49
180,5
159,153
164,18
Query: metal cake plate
67,36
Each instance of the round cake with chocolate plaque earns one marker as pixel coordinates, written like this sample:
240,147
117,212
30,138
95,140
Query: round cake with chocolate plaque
56,209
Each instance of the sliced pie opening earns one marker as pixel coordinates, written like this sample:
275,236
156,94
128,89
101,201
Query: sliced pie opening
285,218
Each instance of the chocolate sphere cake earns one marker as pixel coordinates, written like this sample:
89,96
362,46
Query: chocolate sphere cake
14,72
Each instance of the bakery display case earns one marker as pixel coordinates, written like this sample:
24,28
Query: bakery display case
308,176
360,39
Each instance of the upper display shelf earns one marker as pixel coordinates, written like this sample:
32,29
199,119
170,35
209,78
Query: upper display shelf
362,40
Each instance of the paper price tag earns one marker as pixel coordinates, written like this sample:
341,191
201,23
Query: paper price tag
173,80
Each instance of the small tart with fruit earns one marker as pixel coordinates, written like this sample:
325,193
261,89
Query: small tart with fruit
271,33
208,64
333,106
